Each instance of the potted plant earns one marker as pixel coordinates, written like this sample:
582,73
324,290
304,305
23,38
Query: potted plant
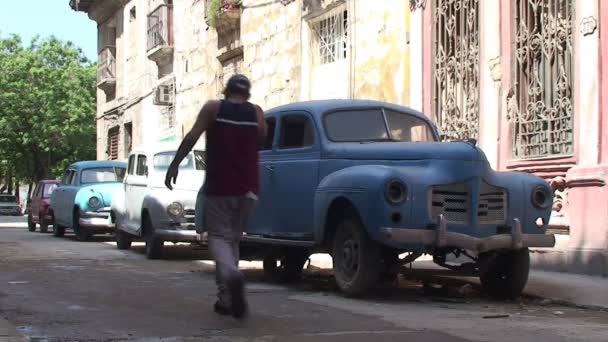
217,8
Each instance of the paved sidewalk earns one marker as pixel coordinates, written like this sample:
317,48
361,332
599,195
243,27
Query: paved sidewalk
569,288
563,288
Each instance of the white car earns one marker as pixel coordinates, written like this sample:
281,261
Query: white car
146,209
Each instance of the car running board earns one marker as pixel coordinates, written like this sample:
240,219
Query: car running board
270,241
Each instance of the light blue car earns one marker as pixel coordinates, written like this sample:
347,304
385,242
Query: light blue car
82,200
369,181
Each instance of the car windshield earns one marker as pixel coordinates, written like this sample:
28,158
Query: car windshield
102,175
48,190
371,125
8,199
194,160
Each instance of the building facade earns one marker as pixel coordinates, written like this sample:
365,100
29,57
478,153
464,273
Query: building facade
523,77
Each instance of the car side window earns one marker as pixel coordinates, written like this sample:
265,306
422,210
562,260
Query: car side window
271,123
142,167
74,179
296,132
66,177
131,166
36,192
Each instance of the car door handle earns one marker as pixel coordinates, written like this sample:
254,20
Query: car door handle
269,168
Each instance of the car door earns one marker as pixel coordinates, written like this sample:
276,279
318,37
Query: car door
263,216
70,196
130,175
295,176
35,201
136,191
61,204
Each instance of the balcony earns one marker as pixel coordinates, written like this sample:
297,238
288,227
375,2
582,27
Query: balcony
223,15
106,69
160,35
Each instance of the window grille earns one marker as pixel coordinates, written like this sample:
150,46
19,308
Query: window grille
331,37
540,107
456,68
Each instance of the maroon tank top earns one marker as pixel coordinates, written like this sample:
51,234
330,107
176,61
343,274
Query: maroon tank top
232,151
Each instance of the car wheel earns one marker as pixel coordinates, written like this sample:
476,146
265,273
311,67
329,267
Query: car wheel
31,226
44,225
285,265
82,233
123,239
356,258
154,245
58,230
504,274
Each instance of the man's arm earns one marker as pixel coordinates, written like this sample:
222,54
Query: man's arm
203,121
262,128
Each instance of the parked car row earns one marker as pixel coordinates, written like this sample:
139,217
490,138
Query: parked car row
9,205
363,181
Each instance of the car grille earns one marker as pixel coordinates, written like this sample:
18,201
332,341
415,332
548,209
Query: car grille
451,200
189,214
492,204
454,202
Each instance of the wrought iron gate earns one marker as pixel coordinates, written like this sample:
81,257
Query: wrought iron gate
456,68
540,107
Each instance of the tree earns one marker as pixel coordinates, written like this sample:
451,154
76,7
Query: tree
47,107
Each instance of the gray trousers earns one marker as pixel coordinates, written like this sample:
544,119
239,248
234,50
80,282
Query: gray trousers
225,218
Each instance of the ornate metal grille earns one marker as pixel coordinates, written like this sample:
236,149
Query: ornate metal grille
540,106
456,68
331,33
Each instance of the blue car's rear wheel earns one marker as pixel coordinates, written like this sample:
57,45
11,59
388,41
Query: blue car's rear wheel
285,265
356,258
58,230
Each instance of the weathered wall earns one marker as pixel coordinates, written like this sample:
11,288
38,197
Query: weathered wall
380,50
270,34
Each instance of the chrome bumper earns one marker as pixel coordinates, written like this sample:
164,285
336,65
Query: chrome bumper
176,235
440,237
97,220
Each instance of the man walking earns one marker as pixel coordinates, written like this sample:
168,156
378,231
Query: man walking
235,129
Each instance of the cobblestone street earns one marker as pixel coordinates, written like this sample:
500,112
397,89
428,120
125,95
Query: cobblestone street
58,289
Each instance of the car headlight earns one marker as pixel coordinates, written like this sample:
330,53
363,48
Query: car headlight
395,192
175,209
94,202
541,197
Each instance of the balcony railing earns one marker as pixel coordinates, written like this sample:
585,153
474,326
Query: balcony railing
106,67
160,27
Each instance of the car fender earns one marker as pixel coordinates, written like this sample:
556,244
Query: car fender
119,207
155,204
361,187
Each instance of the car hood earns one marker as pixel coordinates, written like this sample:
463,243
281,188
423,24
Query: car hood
186,180
105,190
405,151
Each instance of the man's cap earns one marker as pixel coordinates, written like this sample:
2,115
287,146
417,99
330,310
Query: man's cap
239,82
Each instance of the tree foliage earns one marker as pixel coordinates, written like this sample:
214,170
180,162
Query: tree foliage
47,107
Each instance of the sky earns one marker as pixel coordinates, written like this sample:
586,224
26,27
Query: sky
48,17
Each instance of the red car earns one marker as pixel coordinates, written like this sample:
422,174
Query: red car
40,203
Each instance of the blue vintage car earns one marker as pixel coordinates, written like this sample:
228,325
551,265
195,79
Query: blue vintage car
370,181
82,200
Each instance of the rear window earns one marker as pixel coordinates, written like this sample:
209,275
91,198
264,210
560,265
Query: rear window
8,199
102,175
48,190
195,160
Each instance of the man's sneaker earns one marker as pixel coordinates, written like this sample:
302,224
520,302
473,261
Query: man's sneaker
221,309
237,292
